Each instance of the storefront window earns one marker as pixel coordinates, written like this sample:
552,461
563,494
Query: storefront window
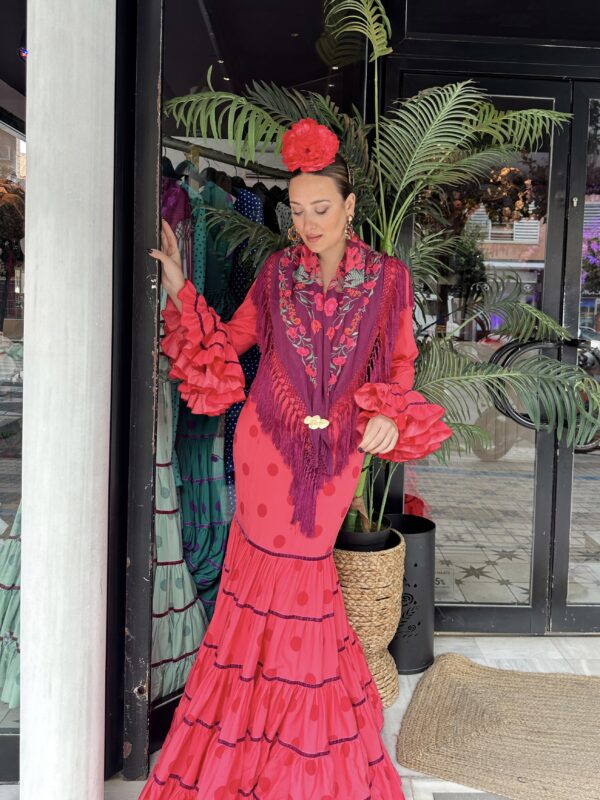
12,288
483,502
584,550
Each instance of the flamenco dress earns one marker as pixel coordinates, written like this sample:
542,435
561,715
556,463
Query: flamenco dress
280,703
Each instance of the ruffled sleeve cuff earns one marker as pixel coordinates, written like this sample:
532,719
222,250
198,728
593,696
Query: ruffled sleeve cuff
202,356
420,426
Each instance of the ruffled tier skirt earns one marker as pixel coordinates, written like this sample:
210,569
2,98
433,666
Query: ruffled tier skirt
280,703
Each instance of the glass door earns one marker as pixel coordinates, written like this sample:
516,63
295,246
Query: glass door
493,508
576,566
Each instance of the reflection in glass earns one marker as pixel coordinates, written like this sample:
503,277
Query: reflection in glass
12,219
483,502
584,551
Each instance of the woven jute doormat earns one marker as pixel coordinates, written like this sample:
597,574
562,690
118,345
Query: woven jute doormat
522,735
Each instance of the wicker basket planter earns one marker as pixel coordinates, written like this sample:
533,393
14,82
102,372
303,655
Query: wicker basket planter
371,584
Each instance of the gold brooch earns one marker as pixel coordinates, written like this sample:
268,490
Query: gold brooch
316,422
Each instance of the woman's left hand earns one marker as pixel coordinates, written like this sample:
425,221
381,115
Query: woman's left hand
380,436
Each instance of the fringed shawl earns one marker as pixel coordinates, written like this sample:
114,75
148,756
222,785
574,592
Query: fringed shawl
293,381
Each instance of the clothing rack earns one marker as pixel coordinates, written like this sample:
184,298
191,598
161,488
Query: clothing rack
224,158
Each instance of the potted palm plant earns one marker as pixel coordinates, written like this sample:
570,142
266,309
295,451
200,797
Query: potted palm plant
406,163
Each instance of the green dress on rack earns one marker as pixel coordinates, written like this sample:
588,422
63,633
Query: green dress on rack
205,510
10,614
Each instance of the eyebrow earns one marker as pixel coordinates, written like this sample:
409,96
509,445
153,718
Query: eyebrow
314,202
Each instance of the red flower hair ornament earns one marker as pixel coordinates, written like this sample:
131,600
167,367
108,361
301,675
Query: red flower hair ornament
308,146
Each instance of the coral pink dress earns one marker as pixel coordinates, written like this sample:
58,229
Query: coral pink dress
280,703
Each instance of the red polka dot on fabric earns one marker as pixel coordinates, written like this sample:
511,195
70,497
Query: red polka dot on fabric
346,749
327,596
310,767
310,678
219,751
302,598
289,759
329,489
314,713
360,721
253,431
233,786
221,793
268,634
261,510
273,469
326,797
295,643
318,529
355,472
264,784
245,468
279,540
336,788
345,704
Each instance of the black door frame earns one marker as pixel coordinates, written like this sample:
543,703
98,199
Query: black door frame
533,618
145,162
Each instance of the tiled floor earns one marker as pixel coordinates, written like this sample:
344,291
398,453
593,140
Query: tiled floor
575,654
484,526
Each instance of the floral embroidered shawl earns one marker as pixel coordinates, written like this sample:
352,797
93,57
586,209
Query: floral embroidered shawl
317,349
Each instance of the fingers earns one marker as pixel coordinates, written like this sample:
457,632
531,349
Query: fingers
158,254
380,436
170,237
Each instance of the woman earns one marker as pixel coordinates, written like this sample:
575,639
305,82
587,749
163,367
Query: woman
280,702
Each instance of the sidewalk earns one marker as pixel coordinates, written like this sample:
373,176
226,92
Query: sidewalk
575,654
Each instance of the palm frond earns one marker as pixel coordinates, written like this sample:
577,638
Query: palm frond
499,297
465,438
424,130
523,130
425,258
365,17
559,396
256,242
230,116
339,51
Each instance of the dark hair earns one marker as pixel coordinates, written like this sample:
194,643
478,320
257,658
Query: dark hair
338,170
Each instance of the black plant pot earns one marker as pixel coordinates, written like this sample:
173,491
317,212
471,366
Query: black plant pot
365,541
412,646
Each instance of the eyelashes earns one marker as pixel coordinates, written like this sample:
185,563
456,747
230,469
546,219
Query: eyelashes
299,213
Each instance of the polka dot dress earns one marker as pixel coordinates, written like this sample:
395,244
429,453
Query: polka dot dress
248,204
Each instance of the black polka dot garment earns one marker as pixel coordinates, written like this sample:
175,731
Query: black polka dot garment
248,204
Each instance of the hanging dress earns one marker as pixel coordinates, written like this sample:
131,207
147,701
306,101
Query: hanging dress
206,510
280,702
10,614
178,619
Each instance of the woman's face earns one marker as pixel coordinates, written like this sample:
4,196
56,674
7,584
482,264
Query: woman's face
319,211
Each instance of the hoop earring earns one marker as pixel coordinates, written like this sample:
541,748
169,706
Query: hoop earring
349,228
293,235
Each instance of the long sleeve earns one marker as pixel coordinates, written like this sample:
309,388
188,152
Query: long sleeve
420,426
204,350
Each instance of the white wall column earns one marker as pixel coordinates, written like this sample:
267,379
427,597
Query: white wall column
68,317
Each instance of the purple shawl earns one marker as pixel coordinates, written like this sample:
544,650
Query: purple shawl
317,349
